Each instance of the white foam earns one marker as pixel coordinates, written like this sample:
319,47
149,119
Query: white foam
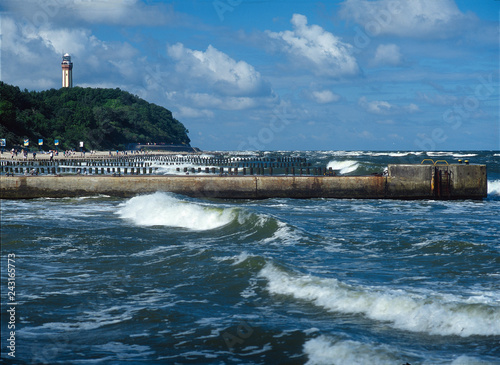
467,360
435,153
237,259
322,350
125,351
431,313
345,153
179,169
464,154
344,167
493,187
284,235
391,154
162,209
398,154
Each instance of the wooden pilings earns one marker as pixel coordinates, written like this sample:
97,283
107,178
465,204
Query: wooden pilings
161,164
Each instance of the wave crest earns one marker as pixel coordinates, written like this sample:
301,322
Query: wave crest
162,209
344,167
321,350
433,314
494,187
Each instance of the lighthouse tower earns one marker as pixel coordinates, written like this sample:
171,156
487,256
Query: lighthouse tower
67,71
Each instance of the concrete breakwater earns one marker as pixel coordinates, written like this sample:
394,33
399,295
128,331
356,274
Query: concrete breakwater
402,182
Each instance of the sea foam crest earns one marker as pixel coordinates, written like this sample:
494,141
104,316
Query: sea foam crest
434,314
162,209
344,167
321,350
494,187
179,169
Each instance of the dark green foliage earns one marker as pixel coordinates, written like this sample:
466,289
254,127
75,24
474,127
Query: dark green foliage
101,118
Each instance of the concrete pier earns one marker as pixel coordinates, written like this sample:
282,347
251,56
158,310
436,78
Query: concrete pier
402,182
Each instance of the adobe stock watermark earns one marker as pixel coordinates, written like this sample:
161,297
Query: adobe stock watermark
455,116
266,135
223,6
59,343
237,337
378,22
46,10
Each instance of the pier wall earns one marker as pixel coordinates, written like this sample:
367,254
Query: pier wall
402,182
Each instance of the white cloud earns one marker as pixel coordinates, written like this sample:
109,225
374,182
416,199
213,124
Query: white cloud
205,100
412,108
415,18
11,35
325,96
62,41
40,13
387,54
217,69
376,107
187,112
205,81
381,107
312,46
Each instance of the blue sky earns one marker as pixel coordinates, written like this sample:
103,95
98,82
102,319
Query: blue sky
278,75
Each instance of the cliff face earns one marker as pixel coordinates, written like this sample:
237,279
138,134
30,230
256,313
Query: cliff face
101,118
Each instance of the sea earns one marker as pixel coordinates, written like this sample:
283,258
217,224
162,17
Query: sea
167,279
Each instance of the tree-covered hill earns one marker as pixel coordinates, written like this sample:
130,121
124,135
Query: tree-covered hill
101,118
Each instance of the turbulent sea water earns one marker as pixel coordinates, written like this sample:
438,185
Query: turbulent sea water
166,279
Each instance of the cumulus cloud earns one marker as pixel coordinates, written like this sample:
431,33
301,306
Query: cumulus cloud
387,54
312,46
215,68
415,18
380,107
210,80
376,107
324,96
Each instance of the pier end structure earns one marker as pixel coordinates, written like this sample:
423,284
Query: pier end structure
456,181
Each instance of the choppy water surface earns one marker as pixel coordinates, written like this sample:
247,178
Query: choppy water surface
167,279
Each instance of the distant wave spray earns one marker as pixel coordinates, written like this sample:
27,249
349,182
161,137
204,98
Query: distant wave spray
343,167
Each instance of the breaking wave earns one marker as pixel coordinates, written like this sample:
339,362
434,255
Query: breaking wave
450,154
162,209
344,167
431,313
322,350
493,187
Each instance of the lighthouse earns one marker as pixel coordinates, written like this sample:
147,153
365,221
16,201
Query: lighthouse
67,71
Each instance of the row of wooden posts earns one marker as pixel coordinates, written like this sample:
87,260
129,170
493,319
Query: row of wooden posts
150,170
151,165
148,160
